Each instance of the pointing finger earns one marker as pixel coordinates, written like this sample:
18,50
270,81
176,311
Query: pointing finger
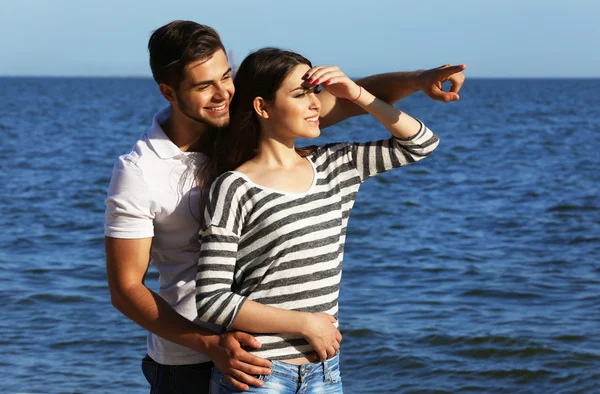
445,72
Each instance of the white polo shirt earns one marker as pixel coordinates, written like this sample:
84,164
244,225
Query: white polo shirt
152,193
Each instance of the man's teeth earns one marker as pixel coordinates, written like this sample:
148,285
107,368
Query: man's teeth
218,108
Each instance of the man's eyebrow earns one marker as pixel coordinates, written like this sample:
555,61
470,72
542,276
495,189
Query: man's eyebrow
208,82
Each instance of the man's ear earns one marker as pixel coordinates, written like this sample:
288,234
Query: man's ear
168,92
261,107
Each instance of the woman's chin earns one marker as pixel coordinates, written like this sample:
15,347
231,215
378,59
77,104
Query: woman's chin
308,133
314,132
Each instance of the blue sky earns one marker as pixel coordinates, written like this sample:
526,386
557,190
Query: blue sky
508,38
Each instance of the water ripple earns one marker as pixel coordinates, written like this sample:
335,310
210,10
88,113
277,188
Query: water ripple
474,271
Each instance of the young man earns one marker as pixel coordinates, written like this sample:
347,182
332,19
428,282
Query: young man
152,205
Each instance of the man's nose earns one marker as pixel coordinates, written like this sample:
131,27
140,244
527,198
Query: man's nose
222,92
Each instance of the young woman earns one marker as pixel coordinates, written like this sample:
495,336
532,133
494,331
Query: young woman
275,219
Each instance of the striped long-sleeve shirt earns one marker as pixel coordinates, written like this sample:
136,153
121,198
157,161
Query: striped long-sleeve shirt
285,249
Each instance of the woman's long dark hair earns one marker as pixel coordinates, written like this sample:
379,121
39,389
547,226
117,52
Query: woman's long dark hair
260,75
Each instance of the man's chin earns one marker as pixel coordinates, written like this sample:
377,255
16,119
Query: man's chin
211,121
220,122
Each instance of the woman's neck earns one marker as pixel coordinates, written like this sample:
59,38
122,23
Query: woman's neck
276,153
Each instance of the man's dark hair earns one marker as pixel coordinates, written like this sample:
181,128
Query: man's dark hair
175,45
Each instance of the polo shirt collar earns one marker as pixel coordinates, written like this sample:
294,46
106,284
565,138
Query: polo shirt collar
162,145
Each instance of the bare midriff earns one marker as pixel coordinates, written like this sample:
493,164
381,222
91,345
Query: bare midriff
311,358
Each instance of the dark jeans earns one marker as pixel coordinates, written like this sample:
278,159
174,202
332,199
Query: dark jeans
177,379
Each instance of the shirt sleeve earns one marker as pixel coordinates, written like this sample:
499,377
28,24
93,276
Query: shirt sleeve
129,207
215,300
375,157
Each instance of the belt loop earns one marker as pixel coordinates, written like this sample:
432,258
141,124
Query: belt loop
326,372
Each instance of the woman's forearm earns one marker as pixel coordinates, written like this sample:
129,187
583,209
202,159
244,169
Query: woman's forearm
398,123
259,318
389,87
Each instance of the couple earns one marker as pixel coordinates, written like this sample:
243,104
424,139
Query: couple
269,201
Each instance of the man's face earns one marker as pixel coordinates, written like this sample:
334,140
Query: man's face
206,90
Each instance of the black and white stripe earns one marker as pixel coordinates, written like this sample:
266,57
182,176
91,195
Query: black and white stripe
286,249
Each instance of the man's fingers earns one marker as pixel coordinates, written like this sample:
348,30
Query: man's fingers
322,354
438,94
251,369
457,83
250,358
331,351
339,337
246,339
446,71
238,385
455,89
238,378
432,83
435,92
448,97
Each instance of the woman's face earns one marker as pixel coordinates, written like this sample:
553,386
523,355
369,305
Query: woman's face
295,111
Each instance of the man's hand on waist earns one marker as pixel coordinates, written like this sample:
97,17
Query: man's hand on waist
235,363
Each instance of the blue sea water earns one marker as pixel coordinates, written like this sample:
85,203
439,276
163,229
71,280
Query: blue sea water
474,271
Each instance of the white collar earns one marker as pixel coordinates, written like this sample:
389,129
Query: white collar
161,143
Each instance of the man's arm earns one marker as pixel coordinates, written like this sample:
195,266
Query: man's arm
126,265
393,87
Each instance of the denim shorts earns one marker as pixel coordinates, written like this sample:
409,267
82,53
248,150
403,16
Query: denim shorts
314,378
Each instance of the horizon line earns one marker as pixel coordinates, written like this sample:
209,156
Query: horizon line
150,77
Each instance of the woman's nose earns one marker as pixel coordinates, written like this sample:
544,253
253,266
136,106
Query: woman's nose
315,103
